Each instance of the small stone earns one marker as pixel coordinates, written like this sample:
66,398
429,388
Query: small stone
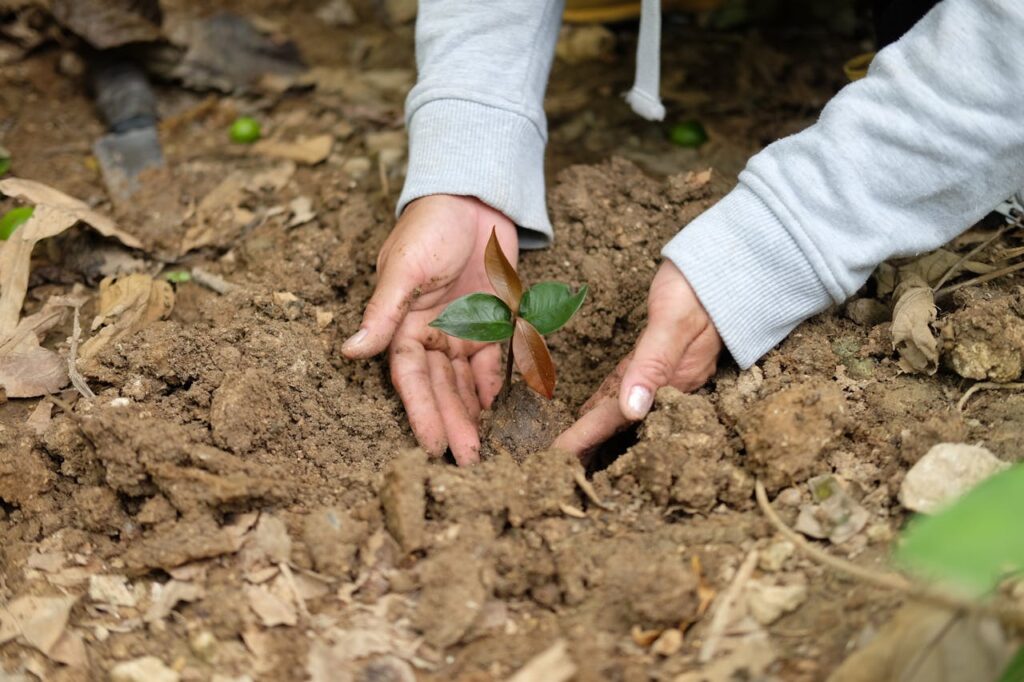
868,312
945,473
879,533
768,603
289,303
337,13
323,319
774,557
71,65
790,497
204,645
668,643
145,669
111,589
357,167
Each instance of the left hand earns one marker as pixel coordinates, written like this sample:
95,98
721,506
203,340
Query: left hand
678,348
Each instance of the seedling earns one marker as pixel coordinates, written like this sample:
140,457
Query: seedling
526,317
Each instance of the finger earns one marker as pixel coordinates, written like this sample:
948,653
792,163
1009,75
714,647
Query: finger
699,362
384,312
411,377
609,388
602,422
463,438
658,353
466,384
487,371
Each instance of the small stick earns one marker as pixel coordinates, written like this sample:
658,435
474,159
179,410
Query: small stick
955,268
890,581
289,578
984,385
507,388
211,281
724,608
995,274
77,380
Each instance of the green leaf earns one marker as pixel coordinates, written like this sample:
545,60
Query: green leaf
476,317
974,543
5,164
1015,670
14,219
549,305
178,276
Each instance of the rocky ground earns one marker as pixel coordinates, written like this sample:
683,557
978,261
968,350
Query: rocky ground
238,502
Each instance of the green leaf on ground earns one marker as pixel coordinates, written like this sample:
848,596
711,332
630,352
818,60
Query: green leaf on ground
549,305
245,130
476,317
178,276
974,543
1015,670
5,161
688,134
14,219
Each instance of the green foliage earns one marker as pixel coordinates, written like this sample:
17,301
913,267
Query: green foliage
974,543
688,134
476,317
245,130
14,219
178,276
5,161
549,305
1015,670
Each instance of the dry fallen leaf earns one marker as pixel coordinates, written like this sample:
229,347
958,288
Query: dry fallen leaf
271,608
126,305
40,418
220,216
39,621
165,597
552,665
308,151
111,589
26,369
302,211
912,335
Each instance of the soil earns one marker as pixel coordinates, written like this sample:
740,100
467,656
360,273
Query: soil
232,449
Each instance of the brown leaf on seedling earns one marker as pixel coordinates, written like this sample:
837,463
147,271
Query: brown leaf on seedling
503,276
533,359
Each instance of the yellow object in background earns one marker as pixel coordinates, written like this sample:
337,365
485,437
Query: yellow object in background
857,68
601,11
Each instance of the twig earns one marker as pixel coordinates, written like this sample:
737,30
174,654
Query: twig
995,274
984,385
955,268
506,389
289,578
588,489
212,281
724,608
77,380
889,581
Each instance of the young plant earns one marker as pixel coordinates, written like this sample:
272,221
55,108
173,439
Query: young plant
524,316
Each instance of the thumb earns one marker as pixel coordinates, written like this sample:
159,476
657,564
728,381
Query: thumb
384,313
673,322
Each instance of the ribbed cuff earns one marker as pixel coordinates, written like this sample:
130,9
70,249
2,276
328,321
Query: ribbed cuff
472,149
749,273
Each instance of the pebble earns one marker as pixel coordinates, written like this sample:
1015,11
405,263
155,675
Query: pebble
145,669
945,473
774,557
768,603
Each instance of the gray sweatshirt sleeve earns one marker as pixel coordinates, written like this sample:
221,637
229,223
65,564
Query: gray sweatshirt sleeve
476,115
898,163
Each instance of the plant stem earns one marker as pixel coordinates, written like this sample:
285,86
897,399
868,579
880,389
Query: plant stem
507,386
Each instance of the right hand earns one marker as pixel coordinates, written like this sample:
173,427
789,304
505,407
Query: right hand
434,255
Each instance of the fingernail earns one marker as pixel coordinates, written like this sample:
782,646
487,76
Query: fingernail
639,402
354,340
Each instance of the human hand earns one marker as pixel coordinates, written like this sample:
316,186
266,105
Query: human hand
679,347
433,256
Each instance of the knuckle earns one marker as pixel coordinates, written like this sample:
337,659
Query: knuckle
656,368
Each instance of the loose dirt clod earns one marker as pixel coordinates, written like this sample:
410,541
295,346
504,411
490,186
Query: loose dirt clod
787,433
985,337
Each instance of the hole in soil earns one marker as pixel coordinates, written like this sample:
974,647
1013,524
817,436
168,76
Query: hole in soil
612,449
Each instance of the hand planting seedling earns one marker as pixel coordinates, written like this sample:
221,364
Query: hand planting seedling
524,316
